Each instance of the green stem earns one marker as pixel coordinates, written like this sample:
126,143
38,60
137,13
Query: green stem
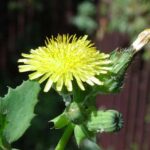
65,137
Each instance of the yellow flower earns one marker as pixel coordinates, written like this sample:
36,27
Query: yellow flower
64,59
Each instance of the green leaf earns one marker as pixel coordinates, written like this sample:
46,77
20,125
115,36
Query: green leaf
19,104
79,134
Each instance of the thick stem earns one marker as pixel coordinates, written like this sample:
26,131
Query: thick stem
65,137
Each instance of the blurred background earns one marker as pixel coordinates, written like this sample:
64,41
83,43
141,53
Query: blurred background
24,24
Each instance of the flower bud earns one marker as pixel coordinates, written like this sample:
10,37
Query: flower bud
104,121
112,82
121,59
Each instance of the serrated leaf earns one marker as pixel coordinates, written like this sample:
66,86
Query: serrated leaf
19,104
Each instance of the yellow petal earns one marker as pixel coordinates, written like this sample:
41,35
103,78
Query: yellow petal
35,75
48,85
97,81
59,84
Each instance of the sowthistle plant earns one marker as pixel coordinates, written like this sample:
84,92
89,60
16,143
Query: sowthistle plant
78,72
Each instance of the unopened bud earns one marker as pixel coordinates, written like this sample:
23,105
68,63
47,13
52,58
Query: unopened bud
105,121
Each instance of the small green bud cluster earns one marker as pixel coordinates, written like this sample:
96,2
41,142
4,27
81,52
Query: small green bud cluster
95,120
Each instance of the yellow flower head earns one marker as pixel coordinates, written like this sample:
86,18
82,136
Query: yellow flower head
64,59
